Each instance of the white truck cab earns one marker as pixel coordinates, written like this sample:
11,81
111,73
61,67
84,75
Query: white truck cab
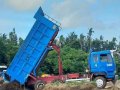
3,69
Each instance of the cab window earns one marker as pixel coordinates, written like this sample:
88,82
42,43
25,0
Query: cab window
105,58
95,58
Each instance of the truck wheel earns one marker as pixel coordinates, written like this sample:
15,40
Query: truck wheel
39,85
100,82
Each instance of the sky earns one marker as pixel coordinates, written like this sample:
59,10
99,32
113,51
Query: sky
74,15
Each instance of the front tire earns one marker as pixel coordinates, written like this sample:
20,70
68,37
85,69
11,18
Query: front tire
100,82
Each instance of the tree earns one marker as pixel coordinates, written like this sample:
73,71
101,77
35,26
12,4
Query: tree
82,41
96,44
90,37
73,60
4,36
20,41
13,37
62,41
101,42
50,64
3,59
72,41
113,43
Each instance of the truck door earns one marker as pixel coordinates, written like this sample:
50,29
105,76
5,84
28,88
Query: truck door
103,62
106,62
110,63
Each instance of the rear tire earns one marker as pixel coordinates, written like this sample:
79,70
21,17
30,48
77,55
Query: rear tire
39,85
100,82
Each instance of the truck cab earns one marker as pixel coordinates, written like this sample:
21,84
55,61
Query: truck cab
102,67
3,69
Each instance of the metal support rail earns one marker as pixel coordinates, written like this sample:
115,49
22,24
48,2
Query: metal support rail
55,21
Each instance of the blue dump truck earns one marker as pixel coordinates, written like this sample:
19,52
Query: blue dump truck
35,48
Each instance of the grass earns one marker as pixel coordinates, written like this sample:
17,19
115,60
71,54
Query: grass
70,86
56,86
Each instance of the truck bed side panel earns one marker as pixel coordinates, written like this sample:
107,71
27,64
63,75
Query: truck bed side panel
32,49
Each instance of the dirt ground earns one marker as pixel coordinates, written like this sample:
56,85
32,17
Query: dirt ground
66,86
84,86
111,86
70,86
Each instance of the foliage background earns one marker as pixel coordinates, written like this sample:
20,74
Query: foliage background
74,51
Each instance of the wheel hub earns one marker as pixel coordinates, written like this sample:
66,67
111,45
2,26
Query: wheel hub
40,85
99,82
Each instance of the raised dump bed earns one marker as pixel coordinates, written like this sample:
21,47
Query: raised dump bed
33,49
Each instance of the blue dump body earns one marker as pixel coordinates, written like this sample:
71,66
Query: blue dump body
103,63
33,49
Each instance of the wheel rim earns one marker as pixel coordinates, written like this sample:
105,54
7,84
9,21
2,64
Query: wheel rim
40,85
99,82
